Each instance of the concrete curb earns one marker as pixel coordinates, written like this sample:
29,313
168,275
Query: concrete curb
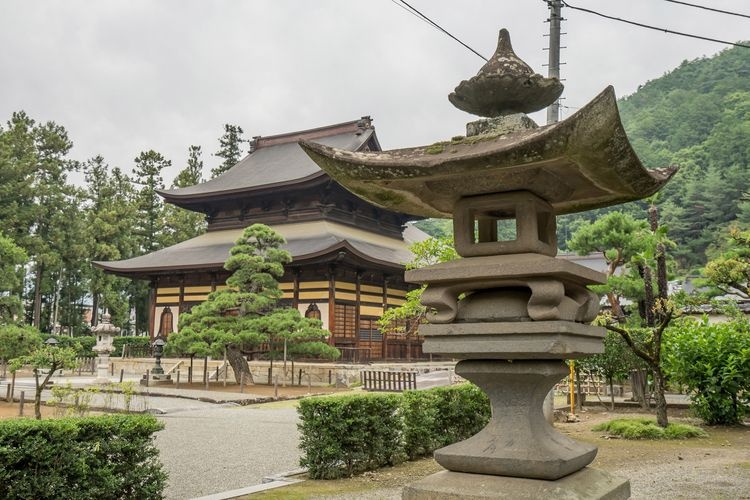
269,483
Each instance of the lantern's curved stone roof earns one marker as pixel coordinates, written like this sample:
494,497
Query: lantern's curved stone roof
305,241
277,161
581,163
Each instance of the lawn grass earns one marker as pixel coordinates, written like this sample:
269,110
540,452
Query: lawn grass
646,428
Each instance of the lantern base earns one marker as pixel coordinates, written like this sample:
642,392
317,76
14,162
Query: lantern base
586,484
518,441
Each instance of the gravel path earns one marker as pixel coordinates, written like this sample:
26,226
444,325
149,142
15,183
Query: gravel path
223,448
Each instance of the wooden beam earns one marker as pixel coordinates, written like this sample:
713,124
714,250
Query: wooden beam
357,304
295,298
331,302
151,307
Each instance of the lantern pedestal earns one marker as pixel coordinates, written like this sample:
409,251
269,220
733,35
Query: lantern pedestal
518,441
587,483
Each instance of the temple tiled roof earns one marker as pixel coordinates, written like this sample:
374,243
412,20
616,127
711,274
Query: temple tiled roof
304,241
278,160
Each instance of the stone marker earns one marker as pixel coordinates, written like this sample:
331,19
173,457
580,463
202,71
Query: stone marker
509,310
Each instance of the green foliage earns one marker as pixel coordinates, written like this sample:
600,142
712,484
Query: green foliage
730,271
646,428
246,313
81,458
230,148
442,416
437,228
119,342
17,341
615,362
346,435
12,257
81,345
698,117
342,436
181,224
406,318
713,361
73,401
46,357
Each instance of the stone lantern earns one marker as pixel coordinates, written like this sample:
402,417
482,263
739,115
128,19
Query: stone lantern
105,333
509,309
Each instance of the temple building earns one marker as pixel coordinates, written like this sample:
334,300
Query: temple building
348,255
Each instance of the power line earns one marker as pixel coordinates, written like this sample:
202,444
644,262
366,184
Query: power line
709,8
406,9
665,30
437,26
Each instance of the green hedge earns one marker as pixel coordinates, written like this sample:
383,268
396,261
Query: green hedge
346,435
83,344
118,342
81,458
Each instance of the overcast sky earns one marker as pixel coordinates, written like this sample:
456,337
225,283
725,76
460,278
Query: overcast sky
131,75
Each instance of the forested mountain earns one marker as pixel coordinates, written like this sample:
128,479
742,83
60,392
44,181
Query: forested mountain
698,117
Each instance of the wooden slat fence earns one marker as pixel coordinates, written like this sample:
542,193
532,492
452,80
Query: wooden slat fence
387,381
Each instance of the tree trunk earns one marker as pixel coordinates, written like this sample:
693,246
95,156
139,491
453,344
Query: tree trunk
94,309
37,315
239,365
40,388
661,401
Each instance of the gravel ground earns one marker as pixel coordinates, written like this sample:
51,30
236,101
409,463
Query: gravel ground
223,448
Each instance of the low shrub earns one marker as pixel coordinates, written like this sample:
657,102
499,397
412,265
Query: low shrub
118,342
342,436
81,458
645,428
713,361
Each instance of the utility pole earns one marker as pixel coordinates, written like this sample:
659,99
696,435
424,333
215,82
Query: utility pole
555,17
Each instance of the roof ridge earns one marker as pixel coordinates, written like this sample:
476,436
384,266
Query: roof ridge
362,124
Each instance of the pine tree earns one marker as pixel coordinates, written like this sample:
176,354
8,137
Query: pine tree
110,216
149,222
230,148
182,224
247,313
12,257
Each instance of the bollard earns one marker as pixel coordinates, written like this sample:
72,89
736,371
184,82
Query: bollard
309,382
242,382
217,373
20,404
329,377
299,377
177,382
112,370
148,377
275,387
122,372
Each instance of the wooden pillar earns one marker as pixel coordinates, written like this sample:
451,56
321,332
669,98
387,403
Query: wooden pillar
151,307
295,298
356,307
385,306
331,302
181,306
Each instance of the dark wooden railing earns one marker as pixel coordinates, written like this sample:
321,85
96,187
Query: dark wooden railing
375,380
